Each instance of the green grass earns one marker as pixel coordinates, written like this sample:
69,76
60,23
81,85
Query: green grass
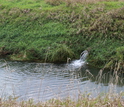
37,5
35,29
113,5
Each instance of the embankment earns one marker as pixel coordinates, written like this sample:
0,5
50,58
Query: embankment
50,31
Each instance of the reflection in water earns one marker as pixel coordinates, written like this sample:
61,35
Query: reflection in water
43,81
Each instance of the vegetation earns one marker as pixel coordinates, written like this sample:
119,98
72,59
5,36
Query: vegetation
53,30
116,101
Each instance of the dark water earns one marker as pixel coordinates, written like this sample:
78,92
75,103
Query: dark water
44,81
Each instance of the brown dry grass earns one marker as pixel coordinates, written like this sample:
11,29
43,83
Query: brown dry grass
107,101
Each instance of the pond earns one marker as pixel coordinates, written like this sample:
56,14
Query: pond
44,81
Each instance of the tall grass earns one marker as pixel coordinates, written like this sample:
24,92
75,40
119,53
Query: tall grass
82,102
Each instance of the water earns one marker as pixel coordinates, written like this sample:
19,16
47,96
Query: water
81,62
44,81
84,55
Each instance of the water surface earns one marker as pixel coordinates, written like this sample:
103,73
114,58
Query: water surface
44,81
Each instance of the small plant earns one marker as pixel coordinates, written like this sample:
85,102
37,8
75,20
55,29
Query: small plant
120,53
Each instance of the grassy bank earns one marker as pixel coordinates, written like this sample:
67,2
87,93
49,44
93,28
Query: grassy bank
53,30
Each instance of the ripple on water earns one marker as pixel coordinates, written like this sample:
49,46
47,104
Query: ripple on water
46,81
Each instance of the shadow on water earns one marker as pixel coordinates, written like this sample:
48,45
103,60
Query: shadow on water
43,81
